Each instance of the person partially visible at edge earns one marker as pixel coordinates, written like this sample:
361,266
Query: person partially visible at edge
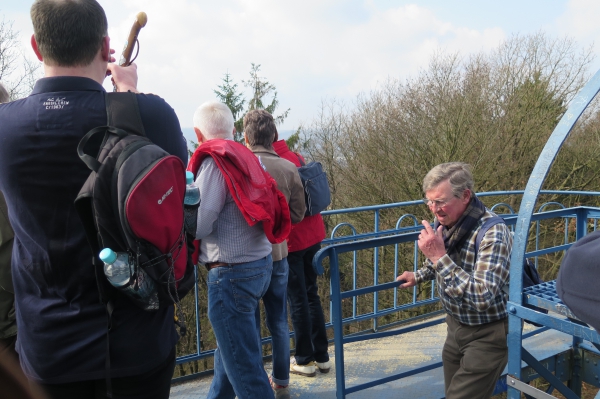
259,133
8,322
469,284
310,334
241,214
12,380
62,340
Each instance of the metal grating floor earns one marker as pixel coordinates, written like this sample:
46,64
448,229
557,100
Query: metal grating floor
544,296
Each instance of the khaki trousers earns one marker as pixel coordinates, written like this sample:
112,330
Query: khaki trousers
474,358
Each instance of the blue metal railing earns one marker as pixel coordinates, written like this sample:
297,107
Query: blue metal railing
407,236
532,190
333,253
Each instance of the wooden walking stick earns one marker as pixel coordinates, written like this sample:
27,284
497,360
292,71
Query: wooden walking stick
140,21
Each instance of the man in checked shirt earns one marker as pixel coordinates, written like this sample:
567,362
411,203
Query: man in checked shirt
469,285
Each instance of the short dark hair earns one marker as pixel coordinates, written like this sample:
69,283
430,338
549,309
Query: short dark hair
259,127
68,33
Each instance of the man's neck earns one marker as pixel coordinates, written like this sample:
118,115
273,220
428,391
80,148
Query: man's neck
89,71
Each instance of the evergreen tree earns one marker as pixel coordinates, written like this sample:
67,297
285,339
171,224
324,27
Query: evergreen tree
227,93
261,88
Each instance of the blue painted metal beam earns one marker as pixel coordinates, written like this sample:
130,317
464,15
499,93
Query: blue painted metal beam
532,190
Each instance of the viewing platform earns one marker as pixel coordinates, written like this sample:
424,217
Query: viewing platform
370,360
388,341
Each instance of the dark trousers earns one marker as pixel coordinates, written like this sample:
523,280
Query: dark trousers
474,358
305,307
155,384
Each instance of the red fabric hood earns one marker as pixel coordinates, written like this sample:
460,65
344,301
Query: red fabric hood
252,188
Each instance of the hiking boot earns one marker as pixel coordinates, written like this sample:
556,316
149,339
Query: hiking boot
281,391
324,367
307,370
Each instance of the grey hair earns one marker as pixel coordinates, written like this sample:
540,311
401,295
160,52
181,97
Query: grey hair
215,120
4,97
458,175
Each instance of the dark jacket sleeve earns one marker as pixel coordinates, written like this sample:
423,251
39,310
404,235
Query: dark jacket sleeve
162,125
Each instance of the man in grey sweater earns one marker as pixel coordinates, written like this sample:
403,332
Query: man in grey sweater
260,134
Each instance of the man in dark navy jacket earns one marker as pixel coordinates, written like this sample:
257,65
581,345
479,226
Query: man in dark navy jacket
62,340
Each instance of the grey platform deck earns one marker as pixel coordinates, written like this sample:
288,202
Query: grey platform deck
369,360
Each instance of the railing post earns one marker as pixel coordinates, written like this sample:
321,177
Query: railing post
338,325
375,273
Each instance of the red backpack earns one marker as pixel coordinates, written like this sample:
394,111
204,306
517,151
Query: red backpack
132,202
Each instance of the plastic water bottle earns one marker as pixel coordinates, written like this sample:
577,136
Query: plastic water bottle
119,271
192,192
116,267
191,202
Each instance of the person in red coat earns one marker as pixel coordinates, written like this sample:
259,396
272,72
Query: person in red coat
305,305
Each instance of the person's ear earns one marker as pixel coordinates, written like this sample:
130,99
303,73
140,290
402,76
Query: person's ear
199,135
105,49
467,194
34,46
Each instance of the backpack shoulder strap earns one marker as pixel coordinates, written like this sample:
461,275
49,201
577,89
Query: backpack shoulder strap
122,111
494,220
299,159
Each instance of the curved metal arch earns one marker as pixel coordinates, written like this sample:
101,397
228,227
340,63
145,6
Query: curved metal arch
504,204
343,224
408,215
532,190
547,204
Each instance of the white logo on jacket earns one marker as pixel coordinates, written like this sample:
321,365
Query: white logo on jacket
55,103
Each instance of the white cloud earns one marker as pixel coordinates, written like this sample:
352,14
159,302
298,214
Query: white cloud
310,50
305,55
580,20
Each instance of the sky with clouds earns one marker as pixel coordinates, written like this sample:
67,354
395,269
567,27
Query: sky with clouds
314,50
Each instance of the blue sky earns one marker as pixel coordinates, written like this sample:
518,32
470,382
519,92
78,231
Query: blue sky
314,50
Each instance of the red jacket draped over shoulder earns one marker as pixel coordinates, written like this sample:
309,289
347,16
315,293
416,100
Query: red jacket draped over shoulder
252,188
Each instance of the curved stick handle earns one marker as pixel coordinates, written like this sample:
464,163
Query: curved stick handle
140,21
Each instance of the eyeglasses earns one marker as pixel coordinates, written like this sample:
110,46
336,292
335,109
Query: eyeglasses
437,203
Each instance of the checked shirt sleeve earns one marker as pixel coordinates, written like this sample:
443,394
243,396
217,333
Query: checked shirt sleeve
480,280
425,273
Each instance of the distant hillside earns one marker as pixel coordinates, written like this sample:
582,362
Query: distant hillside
188,133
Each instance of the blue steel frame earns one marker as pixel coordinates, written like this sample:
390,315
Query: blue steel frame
411,233
538,175
333,252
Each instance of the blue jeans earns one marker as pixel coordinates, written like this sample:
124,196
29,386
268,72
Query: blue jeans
234,294
305,308
275,301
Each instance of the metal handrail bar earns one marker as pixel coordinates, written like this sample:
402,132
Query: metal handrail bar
333,252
